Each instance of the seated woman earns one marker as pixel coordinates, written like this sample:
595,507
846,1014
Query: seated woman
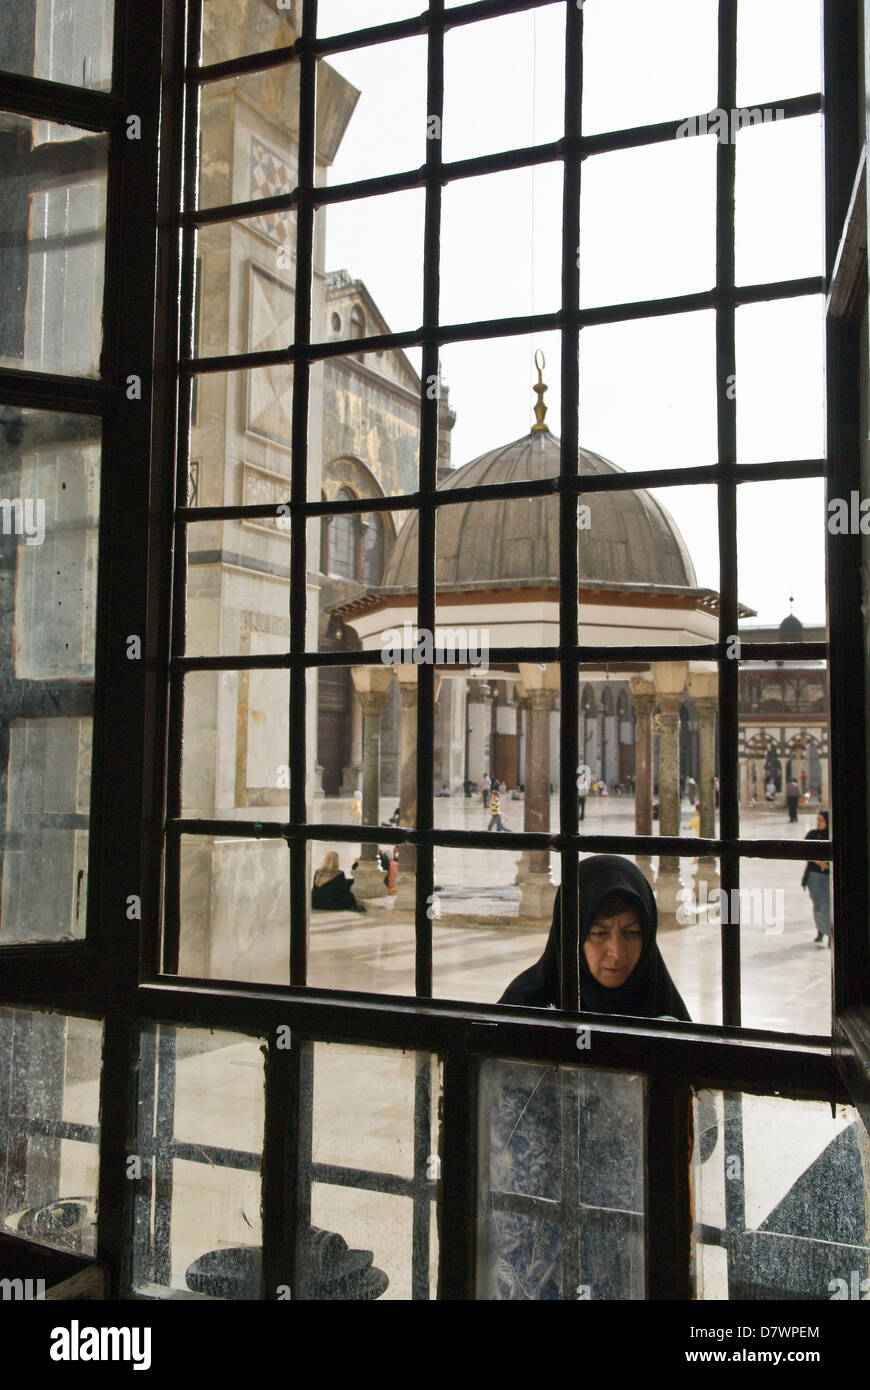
332,889
573,1138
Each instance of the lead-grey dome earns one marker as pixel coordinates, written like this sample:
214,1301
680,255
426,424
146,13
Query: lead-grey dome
631,539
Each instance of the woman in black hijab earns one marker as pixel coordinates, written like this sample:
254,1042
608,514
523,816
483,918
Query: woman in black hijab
531,1149
612,891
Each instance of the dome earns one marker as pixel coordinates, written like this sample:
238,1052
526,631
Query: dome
791,629
631,540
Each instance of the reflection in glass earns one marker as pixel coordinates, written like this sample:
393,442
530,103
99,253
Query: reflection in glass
62,43
766,1226
562,1183
198,1145
50,485
49,1127
374,1116
52,230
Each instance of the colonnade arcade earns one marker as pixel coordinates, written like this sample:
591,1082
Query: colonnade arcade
656,694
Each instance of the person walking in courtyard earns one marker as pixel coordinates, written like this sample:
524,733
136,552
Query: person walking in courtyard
496,820
485,789
817,881
792,796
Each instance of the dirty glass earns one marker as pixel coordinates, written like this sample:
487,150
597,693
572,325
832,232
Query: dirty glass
561,1197
49,1127
52,227
375,1170
60,41
195,1166
765,1172
50,486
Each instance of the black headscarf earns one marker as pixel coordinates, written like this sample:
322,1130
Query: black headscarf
815,833
649,991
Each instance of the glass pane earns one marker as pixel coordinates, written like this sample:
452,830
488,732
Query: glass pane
374,101
375,1166
780,384
489,387
197,1162
52,227
245,300
669,189
343,16
672,420
236,740
492,908
231,29
779,225
370,415
49,1127
786,918
504,83
249,129
512,265
60,42
772,585
45,857
235,907
645,63
784,735
765,1172
377,244
237,596
769,69
561,1183
361,916
50,476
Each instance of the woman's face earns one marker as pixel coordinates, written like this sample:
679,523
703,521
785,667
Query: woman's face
820,823
612,947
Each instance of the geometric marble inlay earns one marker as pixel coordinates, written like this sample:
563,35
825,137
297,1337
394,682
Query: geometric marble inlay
270,326
270,176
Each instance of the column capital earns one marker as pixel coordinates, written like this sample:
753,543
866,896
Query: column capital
372,701
706,705
669,706
643,703
539,699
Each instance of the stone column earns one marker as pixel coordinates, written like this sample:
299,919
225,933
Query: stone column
406,887
643,699
371,684
669,678
704,690
351,775
523,866
541,689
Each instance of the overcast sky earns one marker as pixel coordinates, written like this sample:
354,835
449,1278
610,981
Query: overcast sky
647,230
